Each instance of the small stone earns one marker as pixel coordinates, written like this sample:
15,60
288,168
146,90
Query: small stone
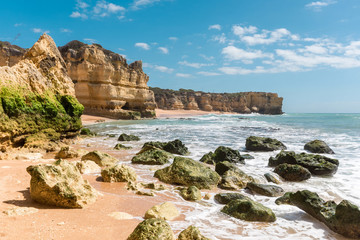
125,137
118,173
271,178
265,189
191,193
207,196
164,211
20,211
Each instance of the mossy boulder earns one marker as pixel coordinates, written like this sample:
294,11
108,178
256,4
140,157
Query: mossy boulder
225,198
118,173
71,106
208,158
127,138
284,199
263,144
223,154
151,156
60,184
66,152
265,189
164,211
175,147
232,178
185,171
316,164
290,172
318,146
191,193
342,218
271,178
120,146
152,229
191,233
100,158
249,210
87,132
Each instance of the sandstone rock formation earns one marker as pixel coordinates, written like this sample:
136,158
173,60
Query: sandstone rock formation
10,54
105,84
246,102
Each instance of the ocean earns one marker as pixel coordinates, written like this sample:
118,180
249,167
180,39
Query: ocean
202,134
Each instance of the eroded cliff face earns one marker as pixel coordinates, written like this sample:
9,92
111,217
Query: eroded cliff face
246,102
10,54
105,84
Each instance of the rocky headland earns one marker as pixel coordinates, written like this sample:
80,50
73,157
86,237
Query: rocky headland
243,102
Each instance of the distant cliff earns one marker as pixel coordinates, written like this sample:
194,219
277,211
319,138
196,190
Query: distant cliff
105,84
243,102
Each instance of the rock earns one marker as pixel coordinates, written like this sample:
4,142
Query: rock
271,178
86,167
284,199
151,156
318,146
265,189
152,229
191,233
175,147
342,218
208,158
66,152
316,164
191,193
100,158
145,193
20,211
207,196
119,146
153,186
222,154
118,173
247,156
126,138
263,144
232,178
87,132
164,211
225,198
295,173
188,172
249,210
61,185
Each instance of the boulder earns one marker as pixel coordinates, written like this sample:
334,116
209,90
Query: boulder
318,146
87,132
118,173
188,172
271,178
66,152
191,193
60,184
151,156
249,210
265,189
100,158
232,178
191,233
119,146
263,144
86,167
153,186
164,211
342,218
225,198
152,229
295,173
126,138
284,199
208,158
175,147
223,154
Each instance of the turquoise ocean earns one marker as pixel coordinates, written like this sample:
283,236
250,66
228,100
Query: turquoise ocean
202,134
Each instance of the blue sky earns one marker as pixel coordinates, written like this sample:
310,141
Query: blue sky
307,51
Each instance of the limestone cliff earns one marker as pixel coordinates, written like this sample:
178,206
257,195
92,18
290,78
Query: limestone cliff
245,102
105,84
10,54
37,97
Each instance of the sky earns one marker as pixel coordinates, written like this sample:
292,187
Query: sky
307,51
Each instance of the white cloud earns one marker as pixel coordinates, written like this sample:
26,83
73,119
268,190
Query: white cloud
220,38
210,58
173,38
209,74
82,5
183,75
164,69
164,50
90,40
233,53
268,37
144,46
194,65
65,30
353,49
104,9
318,5
215,26
78,15
240,31
241,71
147,65
18,24
137,4
39,30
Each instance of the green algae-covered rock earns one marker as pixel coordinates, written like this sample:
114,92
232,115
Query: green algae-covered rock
222,154
61,185
126,138
175,147
151,156
343,218
295,173
232,178
318,146
263,144
316,164
191,193
191,233
164,211
208,158
284,199
225,198
185,171
265,189
86,132
118,173
249,210
100,158
152,229
119,146
271,178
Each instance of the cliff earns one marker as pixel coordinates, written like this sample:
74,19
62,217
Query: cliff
245,102
37,97
105,84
